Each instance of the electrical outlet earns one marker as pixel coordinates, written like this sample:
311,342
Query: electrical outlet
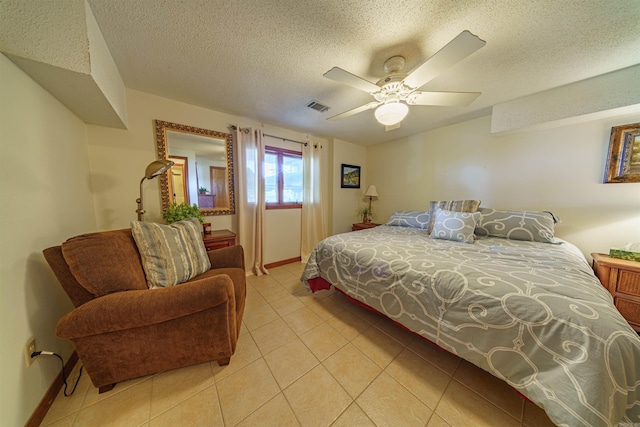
28,349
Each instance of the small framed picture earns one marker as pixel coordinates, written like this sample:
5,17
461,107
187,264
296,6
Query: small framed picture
623,161
350,176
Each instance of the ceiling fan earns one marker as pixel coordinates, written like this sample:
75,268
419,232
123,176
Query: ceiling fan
397,90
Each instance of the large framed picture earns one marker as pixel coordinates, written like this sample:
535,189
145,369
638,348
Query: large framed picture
350,176
623,161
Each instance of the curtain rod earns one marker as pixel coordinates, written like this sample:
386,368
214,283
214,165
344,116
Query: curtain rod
285,139
246,130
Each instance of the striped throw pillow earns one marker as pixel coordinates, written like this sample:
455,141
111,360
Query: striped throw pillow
171,254
451,205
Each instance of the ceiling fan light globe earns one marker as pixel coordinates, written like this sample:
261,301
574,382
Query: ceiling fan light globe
391,113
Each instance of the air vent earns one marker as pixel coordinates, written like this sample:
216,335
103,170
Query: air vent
317,106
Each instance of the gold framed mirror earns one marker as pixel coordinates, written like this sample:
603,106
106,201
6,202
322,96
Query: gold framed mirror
203,169
623,161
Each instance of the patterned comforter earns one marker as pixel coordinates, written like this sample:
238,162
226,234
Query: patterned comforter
532,314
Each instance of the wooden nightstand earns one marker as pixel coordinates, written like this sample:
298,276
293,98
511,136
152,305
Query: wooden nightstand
622,279
362,226
217,239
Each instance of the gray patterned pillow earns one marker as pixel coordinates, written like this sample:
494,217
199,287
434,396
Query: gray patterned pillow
171,254
517,225
414,219
456,226
451,205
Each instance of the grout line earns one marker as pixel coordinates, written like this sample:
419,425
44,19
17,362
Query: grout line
440,399
176,403
291,407
215,384
429,361
319,362
487,400
383,369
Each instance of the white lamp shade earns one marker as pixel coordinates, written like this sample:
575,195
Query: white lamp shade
371,191
391,113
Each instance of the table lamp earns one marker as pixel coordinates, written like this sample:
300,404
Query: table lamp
371,192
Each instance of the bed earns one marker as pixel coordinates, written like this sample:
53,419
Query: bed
529,312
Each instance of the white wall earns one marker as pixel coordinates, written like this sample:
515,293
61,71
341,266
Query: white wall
346,201
45,198
119,157
558,169
282,235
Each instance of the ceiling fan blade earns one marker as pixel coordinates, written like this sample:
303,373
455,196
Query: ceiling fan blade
455,51
446,99
341,76
360,109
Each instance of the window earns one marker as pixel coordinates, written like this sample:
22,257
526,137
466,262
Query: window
282,178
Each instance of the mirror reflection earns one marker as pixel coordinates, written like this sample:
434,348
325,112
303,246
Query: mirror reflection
203,170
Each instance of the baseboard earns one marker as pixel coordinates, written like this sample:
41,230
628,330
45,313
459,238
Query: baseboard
47,400
283,262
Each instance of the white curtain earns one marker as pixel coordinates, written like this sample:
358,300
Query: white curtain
251,198
313,224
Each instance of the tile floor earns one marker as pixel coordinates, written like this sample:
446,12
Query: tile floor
310,360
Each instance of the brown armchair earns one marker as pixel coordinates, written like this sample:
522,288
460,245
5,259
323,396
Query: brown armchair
121,330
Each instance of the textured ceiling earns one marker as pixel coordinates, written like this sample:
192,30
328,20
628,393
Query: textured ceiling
264,60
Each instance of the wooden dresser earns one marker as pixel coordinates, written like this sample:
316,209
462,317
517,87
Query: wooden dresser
217,239
362,226
622,279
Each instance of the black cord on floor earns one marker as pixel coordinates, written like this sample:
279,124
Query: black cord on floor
64,376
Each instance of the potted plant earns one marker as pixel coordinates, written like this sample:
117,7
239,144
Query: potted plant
202,190
365,213
177,212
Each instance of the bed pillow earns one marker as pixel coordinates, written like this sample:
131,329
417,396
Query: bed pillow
414,219
171,254
451,205
456,226
517,225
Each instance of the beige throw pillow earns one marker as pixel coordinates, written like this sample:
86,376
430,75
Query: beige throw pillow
451,205
171,254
